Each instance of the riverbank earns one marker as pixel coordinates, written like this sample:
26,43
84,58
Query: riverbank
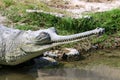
16,12
108,57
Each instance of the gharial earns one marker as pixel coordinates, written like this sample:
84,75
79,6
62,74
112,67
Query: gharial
18,46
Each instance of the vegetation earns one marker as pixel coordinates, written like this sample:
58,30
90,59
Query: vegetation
98,0
15,10
66,25
17,13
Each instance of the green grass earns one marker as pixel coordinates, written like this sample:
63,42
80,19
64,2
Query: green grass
110,20
17,13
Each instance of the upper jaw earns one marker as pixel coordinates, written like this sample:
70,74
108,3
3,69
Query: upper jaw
51,43
58,38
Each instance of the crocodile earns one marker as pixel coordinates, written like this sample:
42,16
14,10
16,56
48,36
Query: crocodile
18,46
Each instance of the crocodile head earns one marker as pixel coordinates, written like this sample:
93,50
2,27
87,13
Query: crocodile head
48,38
34,43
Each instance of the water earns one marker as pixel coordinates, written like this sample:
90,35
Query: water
33,72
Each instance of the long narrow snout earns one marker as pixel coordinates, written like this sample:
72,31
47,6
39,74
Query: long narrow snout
58,38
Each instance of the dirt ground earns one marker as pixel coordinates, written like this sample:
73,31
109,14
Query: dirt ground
78,7
5,21
2,19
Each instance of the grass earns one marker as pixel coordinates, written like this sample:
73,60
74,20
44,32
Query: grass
98,0
110,20
17,13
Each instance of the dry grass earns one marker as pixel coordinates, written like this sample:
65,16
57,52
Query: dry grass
99,0
1,4
63,4
71,4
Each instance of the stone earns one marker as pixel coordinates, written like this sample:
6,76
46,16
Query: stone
63,54
45,61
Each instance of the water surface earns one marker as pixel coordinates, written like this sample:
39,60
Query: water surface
33,72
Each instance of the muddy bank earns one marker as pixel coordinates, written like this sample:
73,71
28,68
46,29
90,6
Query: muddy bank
84,49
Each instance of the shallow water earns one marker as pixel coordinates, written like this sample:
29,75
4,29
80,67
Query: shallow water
96,73
33,72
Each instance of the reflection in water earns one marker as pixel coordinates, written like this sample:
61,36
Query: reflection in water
15,74
35,72
95,73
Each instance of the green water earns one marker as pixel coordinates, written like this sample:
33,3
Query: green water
59,74
32,72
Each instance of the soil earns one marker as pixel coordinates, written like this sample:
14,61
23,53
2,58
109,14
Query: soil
5,21
79,7
2,19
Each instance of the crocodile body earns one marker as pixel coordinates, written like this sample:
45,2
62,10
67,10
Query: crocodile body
18,46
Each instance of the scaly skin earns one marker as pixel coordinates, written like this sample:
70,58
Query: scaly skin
17,46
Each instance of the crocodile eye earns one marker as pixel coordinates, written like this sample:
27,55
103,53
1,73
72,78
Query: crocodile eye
43,38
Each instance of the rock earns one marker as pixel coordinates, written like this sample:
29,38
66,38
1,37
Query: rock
52,54
45,61
71,54
95,46
56,54
63,54
71,51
